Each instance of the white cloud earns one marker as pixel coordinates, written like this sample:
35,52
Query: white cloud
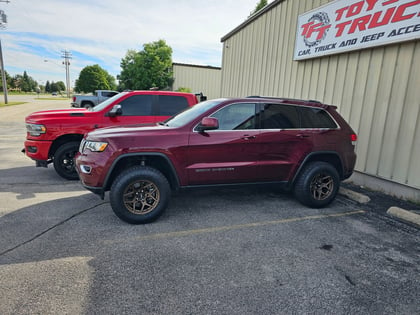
102,32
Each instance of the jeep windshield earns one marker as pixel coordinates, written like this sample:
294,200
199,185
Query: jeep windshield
191,113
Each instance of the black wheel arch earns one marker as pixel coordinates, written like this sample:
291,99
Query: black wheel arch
330,157
63,139
89,103
157,160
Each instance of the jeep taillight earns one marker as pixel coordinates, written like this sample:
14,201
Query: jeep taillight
353,138
74,98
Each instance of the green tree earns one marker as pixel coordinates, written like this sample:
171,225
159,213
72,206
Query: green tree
25,82
184,89
93,78
111,81
48,87
259,6
8,81
60,86
17,80
146,69
53,87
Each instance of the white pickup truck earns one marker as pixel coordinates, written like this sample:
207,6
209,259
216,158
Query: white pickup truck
91,100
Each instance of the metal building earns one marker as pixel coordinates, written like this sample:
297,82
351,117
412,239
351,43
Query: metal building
376,87
200,79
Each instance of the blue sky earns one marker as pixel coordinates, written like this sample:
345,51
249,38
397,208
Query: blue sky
101,32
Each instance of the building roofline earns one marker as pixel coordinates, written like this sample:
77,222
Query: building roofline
195,66
251,19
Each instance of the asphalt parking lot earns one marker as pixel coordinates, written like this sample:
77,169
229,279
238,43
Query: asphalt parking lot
216,251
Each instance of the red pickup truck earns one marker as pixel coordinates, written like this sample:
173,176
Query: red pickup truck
53,136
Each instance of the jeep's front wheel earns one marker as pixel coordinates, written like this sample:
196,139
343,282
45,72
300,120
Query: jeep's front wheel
140,195
317,184
64,160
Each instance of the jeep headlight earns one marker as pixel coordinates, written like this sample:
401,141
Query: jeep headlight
35,130
95,146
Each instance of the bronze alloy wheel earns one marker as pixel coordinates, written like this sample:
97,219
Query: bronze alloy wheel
141,197
322,186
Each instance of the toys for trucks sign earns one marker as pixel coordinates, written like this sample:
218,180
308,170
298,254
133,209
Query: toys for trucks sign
345,25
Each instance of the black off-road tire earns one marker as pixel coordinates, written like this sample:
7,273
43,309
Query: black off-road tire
64,160
317,184
140,195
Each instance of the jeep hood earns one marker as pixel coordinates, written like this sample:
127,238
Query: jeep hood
127,131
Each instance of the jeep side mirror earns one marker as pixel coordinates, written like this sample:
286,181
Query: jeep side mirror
208,123
115,111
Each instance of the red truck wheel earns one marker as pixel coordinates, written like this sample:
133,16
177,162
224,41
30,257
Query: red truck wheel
64,160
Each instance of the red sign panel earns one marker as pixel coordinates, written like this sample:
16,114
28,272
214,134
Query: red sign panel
345,25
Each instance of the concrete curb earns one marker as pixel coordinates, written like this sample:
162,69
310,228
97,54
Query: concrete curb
404,215
358,197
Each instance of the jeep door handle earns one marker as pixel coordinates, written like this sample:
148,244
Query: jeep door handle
248,137
301,135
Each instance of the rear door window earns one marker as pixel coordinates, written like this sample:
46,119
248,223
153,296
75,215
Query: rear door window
279,116
169,105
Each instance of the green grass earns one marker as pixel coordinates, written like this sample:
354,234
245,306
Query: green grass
51,98
41,97
11,104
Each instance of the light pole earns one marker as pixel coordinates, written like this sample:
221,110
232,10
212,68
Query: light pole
3,21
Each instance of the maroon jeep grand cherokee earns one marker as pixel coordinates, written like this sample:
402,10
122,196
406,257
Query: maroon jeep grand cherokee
304,145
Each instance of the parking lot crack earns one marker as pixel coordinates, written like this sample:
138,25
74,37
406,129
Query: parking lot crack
349,280
50,228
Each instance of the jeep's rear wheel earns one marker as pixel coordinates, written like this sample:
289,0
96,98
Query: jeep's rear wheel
64,160
317,185
140,195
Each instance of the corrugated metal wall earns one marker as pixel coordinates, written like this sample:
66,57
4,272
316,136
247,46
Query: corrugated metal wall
198,79
377,90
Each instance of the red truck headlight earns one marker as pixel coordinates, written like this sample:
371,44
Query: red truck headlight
35,130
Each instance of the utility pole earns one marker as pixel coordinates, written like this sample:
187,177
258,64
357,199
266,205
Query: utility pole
3,22
67,56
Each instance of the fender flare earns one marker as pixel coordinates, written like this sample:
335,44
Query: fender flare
174,175
310,156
